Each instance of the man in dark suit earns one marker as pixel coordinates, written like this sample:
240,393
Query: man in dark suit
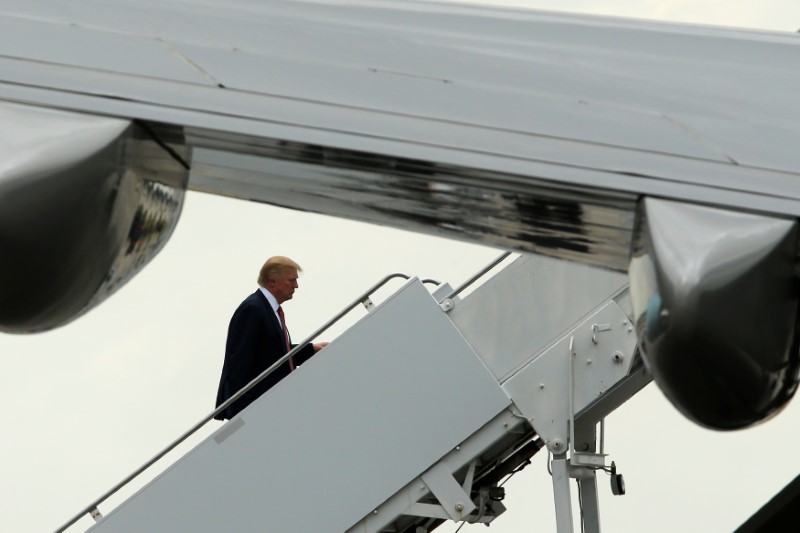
257,337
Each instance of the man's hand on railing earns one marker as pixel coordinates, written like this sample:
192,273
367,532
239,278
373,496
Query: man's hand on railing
319,345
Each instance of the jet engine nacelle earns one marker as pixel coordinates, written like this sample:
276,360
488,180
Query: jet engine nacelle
85,203
716,300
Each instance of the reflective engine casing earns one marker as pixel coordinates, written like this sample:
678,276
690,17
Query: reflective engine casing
85,203
716,300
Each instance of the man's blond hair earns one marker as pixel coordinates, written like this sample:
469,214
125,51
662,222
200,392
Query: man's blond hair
275,267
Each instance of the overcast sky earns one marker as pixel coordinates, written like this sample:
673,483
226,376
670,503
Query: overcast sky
90,402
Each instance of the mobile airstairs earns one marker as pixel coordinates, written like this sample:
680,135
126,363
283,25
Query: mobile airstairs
416,414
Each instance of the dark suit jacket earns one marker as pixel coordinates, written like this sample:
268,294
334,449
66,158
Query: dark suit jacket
255,342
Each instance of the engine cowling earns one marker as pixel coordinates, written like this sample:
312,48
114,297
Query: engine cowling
85,203
716,300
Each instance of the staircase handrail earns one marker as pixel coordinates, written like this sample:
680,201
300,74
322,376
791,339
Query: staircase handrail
92,510
499,259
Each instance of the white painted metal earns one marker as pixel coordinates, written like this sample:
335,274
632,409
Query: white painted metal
517,313
383,403
404,502
452,498
574,371
615,106
264,49
561,493
590,504
404,409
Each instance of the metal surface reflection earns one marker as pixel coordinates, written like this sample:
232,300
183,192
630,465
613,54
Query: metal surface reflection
85,203
509,211
716,300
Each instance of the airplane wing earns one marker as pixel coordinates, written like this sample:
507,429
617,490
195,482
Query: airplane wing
665,150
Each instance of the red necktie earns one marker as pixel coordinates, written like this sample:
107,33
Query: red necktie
286,336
